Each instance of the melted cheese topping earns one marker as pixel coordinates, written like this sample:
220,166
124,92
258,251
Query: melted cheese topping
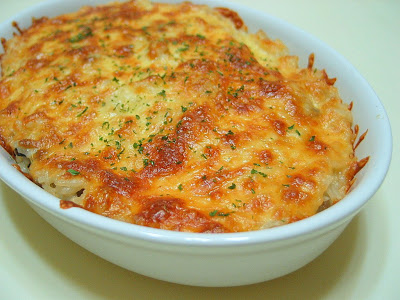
174,117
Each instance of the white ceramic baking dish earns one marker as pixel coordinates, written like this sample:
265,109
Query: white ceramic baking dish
234,258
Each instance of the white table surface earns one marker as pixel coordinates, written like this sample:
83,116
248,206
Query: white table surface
37,262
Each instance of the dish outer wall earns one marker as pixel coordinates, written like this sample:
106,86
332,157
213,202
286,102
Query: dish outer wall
197,265
229,259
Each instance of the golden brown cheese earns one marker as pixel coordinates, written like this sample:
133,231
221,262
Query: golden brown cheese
174,117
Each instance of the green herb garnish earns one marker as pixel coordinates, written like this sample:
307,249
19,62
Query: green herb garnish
73,172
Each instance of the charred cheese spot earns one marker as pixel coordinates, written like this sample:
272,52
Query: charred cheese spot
157,49
173,116
83,53
279,126
232,15
266,156
64,204
11,109
317,146
124,51
112,207
172,214
167,156
260,204
35,64
298,189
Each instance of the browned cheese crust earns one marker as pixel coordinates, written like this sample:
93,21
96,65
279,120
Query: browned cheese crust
174,117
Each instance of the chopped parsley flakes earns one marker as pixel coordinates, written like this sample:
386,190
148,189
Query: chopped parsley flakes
73,172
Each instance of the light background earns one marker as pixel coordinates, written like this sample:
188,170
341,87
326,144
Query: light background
36,262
